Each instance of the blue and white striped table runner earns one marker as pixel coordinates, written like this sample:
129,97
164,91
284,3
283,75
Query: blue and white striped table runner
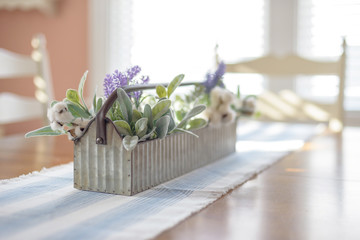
44,205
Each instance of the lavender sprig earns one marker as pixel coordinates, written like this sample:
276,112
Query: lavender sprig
120,79
215,79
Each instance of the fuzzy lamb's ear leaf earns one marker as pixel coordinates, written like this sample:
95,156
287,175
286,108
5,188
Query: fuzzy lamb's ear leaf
73,96
98,105
148,115
172,124
76,110
123,127
141,127
174,84
162,126
193,112
94,103
136,115
125,104
161,91
143,138
185,131
130,142
81,88
197,123
53,103
44,131
160,108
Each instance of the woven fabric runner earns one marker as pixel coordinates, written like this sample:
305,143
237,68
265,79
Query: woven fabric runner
44,205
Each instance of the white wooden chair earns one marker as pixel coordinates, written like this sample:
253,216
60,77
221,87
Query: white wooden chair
288,106
16,108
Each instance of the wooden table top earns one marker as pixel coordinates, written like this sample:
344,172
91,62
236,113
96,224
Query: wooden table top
313,193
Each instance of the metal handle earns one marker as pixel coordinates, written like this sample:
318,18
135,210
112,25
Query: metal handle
100,117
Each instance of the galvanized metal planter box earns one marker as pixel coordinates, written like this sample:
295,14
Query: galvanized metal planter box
111,169
102,164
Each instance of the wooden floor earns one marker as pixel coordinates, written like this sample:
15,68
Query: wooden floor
311,194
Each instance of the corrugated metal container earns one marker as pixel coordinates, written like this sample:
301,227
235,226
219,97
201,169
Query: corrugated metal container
111,169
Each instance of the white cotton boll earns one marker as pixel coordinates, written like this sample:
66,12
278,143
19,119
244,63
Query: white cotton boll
77,121
215,119
81,122
84,123
56,126
70,137
207,113
227,96
50,114
224,108
249,106
215,96
79,131
228,117
62,113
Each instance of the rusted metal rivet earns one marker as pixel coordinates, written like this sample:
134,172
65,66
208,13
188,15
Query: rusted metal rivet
99,140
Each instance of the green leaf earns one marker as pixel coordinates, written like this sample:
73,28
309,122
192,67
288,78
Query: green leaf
197,123
180,114
77,111
136,115
98,105
174,84
73,96
162,126
148,115
185,131
172,124
123,127
160,108
141,127
143,138
53,103
193,112
94,103
81,88
125,104
161,91
44,131
130,142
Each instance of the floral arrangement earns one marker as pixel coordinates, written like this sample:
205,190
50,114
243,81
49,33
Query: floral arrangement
134,117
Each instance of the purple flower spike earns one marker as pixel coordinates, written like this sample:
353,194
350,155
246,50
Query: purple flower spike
215,79
120,79
132,72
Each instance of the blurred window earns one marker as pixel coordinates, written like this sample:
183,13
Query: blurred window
166,38
321,26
